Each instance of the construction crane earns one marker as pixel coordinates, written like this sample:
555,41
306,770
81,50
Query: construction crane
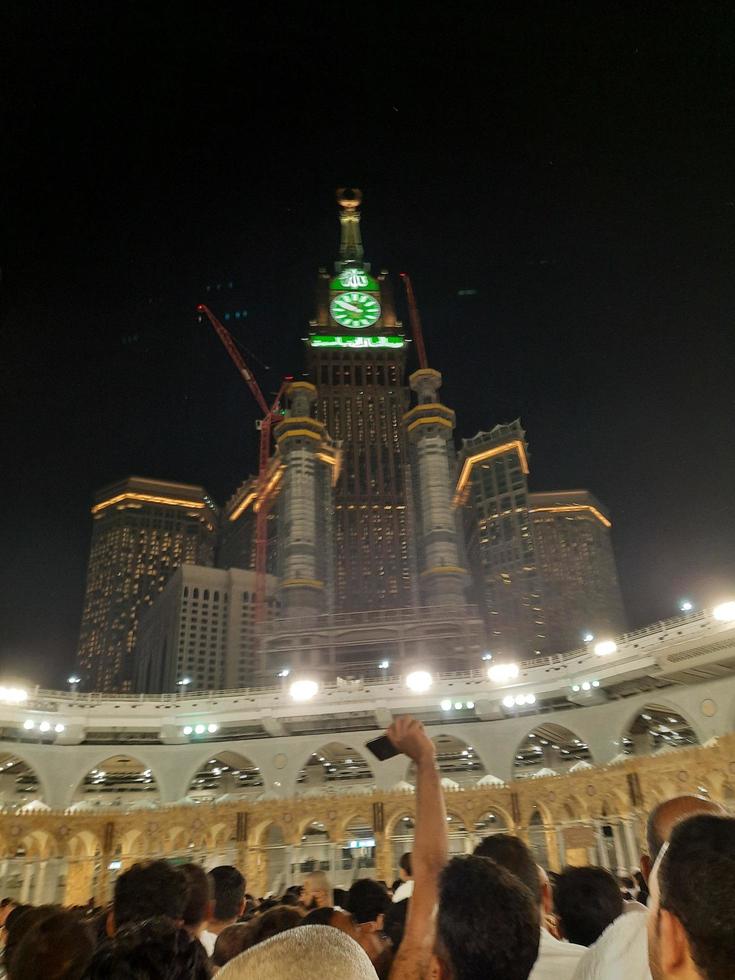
265,486
415,318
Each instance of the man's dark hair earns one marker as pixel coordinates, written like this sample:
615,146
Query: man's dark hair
58,947
196,909
696,880
4,902
232,941
19,922
271,923
587,900
405,863
154,948
149,889
512,853
319,917
367,899
229,891
488,926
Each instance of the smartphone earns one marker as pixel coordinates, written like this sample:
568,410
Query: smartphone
382,748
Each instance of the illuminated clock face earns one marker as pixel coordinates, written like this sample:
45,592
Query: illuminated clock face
355,310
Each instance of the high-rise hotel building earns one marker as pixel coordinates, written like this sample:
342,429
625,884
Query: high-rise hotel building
142,531
356,358
543,563
199,634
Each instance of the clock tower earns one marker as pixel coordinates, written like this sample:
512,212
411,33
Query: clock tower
356,358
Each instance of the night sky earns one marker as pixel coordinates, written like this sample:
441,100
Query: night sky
575,167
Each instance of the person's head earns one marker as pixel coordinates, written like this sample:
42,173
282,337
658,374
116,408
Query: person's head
315,953
317,892
149,889
664,817
198,906
147,950
19,922
232,941
270,923
368,901
58,947
691,931
513,854
488,923
587,900
327,915
228,887
405,870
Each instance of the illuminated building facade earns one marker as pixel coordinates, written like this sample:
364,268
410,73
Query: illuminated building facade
571,530
493,489
356,358
371,567
543,563
142,531
200,629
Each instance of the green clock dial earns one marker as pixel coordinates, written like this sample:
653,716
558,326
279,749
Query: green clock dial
355,310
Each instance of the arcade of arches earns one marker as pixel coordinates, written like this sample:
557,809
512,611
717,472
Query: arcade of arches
592,815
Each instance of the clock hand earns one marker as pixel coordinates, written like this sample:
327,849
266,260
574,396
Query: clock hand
351,308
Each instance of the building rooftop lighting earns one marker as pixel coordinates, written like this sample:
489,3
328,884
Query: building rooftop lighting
283,673
45,726
303,690
588,637
188,730
457,705
28,724
212,729
605,647
509,701
686,605
384,664
199,729
723,613
59,728
446,705
502,673
487,656
419,681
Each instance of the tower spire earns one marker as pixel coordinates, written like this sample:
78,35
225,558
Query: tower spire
350,246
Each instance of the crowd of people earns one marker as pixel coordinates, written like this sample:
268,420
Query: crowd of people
492,915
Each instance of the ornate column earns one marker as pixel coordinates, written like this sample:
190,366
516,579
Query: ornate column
620,856
602,852
38,883
634,855
25,888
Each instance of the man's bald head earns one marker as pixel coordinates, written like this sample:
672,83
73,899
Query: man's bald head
664,817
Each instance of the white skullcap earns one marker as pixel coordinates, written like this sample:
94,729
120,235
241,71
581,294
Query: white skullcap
303,953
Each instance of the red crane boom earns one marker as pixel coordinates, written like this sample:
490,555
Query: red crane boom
415,318
264,498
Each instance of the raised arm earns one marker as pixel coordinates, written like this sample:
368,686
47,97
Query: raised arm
429,855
